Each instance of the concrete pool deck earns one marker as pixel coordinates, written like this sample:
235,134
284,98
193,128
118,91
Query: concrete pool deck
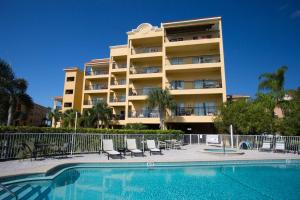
187,153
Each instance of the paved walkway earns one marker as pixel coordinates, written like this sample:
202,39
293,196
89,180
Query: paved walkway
188,153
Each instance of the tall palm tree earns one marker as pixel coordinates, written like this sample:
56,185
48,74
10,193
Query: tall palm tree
274,82
69,118
15,89
87,119
54,116
102,114
161,99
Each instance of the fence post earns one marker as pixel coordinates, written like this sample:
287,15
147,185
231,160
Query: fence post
190,138
256,142
237,141
143,143
198,139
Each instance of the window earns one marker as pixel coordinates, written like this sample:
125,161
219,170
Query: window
177,61
69,92
199,109
196,60
67,105
71,78
210,108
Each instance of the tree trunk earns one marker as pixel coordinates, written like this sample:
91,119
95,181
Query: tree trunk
10,111
161,120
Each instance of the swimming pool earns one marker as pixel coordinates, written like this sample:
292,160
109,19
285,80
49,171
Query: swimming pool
195,180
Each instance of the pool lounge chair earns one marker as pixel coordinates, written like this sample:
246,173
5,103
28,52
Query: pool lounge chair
279,146
152,147
266,146
108,148
213,140
131,146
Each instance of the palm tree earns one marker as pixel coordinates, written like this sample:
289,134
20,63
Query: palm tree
69,117
87,118
274,82
102,114
161,99
15,89
54,116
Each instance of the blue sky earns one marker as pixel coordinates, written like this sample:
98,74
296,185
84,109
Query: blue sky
40,38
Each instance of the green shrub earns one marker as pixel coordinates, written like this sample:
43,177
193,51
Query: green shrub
29,129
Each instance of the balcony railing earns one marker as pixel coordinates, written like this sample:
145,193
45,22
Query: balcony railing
197,84
146,50
92,102
193,60
96,72
195,111
145,70
119,65
121,98
118,117
96,87
144,113
197,35
118,82
140,92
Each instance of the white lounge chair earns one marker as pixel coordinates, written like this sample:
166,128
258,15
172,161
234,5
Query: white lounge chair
279,146
131,146
266,146
152,147
213,140
108,148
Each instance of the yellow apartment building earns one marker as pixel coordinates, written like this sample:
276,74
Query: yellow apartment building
186,57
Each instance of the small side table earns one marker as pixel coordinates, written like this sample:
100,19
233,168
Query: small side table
122,151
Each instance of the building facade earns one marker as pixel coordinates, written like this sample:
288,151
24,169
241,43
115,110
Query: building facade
185,57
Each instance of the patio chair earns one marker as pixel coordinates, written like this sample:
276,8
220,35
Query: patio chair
213,140
152,147
131,146
108,148
266,146
279,146
63,150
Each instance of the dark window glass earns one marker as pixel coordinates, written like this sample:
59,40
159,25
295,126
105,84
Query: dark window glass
71,78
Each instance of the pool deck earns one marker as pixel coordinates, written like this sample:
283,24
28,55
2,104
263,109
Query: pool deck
187,153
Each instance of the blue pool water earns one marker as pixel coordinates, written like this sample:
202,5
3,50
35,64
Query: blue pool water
278,180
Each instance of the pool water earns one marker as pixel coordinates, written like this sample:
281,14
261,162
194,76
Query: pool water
230,181
220,150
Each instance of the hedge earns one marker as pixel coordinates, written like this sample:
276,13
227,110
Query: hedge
29,129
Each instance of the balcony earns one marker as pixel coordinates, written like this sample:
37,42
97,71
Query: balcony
193,62
119,68
118,84
118,100
119,65
96,73
139,94
179,87
96,88
145,70
195,111
58,108
142,52
195,35
144,113
92,102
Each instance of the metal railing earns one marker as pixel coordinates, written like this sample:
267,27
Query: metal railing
11,193
197,84
96,87
119,65
11,148
118,82
145,70
96,72
58,107
146,50
195,111
139,92
193,60
121,98
196,35
92,102
144,113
